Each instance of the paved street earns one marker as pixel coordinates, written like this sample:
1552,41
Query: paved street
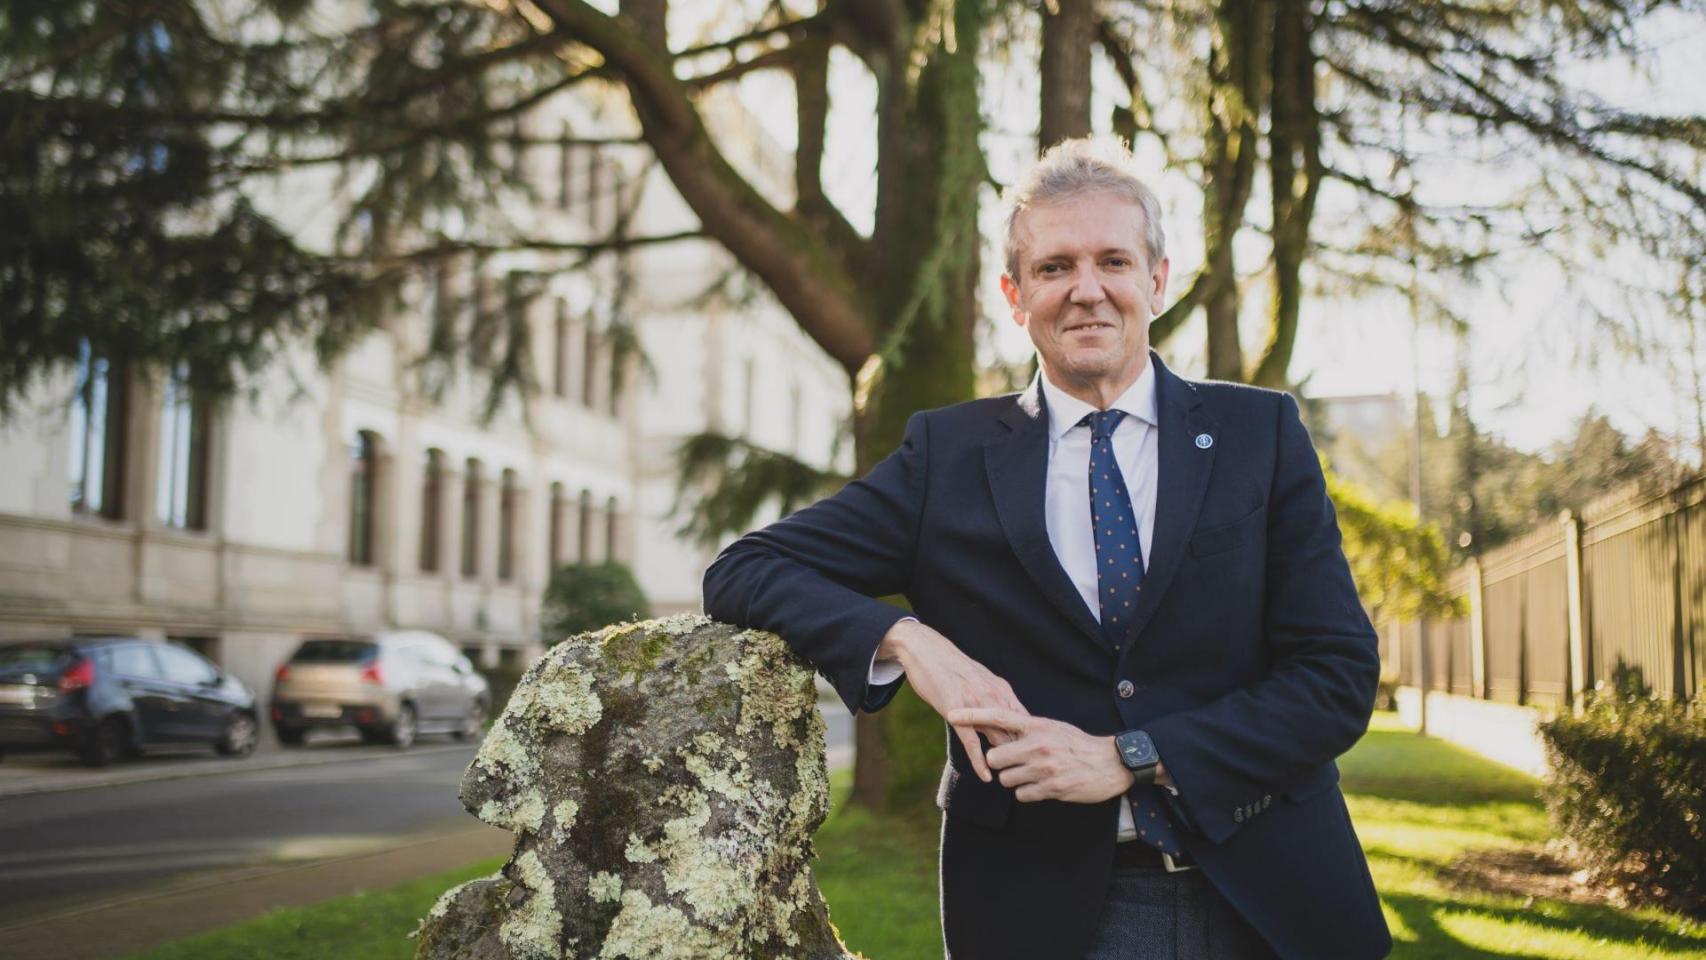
64,848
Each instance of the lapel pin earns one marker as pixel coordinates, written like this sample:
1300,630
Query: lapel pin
1204,441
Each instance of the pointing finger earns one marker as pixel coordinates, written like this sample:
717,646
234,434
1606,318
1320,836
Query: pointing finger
974,750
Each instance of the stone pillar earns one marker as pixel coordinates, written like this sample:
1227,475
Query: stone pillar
663,780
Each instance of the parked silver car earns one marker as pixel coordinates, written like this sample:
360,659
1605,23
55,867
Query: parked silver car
391,687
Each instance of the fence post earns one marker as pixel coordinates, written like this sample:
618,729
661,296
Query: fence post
1477,632
1577,621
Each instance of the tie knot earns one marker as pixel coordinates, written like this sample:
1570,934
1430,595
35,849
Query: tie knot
1102,423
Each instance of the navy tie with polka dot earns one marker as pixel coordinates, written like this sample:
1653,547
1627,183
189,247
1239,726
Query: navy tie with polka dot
1119,582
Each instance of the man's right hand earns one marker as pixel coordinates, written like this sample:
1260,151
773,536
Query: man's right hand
947,679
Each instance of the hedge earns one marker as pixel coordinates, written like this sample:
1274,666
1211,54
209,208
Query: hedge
1628,791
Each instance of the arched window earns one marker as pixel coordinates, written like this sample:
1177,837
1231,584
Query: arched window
610,530
432,508
98,420
471,518
363,474
558,508
508,496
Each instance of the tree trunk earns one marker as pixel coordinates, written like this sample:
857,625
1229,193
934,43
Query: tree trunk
1229,165
927,243
1069,28
1294,167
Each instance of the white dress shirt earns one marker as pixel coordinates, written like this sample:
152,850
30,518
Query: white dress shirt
1066,496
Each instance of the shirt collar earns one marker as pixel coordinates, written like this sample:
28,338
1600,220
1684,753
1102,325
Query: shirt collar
1065,410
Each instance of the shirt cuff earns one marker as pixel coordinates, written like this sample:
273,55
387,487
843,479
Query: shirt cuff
885,672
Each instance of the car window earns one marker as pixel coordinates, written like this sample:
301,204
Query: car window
135,660
23,657
335,651
183,666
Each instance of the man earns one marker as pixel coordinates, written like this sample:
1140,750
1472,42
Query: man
1132,586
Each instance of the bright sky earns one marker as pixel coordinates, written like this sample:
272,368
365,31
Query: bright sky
1538,361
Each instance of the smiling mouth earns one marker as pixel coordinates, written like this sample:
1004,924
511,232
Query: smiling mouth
1092,326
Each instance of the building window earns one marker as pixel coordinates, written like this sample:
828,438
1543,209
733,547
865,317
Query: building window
181,493
614,393
565,171
594,189
560,352
364,471
98,417
507,506
583,548
589,373
610,530
432,508
558,506
471,518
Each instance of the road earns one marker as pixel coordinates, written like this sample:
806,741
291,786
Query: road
93,836
63,848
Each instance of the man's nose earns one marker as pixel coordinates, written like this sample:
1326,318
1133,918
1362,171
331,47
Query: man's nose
1087,289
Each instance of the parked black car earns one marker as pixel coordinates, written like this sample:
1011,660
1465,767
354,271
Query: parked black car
109,698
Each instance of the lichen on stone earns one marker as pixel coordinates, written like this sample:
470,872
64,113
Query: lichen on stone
605,887
663,779
532,930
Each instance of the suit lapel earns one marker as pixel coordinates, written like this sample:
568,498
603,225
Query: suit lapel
1182,479
1017,465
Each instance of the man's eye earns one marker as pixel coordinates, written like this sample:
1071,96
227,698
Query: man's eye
1119,262
1049,268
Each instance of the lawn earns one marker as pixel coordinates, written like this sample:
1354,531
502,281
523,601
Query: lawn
1438,823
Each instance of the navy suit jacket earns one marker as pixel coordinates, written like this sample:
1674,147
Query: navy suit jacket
1253,663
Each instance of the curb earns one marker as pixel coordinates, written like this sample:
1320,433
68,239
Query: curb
251,765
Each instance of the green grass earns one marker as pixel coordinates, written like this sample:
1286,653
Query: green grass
1419,805
363,926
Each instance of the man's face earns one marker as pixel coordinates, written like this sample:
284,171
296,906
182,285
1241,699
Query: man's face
1086,291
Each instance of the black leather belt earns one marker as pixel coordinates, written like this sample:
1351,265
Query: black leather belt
1136,853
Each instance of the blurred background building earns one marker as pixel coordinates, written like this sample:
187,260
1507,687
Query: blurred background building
384,493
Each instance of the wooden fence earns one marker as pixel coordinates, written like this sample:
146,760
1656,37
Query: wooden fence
1556,612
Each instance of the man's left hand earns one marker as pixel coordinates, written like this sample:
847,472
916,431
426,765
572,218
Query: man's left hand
1048,759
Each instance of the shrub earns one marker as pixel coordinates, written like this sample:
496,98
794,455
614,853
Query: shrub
1628,790
587,596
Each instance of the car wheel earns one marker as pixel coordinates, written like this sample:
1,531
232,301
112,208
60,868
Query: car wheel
108,743
238,738
404,728
473,723
289,736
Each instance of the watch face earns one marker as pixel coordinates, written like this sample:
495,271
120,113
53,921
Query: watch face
1137,750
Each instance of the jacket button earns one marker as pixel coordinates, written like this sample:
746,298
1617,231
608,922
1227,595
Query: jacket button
1126,689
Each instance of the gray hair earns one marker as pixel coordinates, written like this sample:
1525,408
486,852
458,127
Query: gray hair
1073,168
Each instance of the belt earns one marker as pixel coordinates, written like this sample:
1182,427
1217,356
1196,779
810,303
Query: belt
1136,853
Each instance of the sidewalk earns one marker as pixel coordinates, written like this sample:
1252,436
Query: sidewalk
136,922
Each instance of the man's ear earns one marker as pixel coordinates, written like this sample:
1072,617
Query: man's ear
1158,295
1010,288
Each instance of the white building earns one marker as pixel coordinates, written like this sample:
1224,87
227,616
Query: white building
349,500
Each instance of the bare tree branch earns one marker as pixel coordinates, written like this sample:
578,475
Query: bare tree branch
791,260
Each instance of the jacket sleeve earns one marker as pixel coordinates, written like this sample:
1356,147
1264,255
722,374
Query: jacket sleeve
811,577
1281,733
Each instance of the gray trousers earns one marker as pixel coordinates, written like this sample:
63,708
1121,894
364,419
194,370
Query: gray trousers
1150,914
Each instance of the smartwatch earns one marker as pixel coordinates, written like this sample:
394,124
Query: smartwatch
1138,753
